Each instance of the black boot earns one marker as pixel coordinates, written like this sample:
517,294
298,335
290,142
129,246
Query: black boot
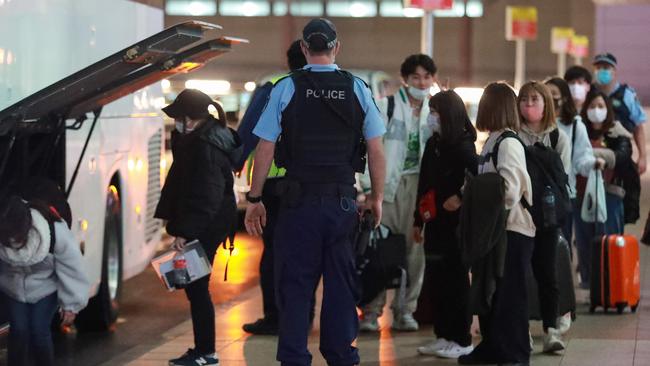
262,326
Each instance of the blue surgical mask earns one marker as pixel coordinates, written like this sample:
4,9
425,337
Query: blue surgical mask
604,76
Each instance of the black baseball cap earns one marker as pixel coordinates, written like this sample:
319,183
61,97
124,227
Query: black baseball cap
605,58
191,103
319,35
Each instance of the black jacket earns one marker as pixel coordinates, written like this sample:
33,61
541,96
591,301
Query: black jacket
443,169
626,176
197,199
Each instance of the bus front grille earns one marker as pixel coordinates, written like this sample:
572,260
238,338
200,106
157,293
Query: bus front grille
152,225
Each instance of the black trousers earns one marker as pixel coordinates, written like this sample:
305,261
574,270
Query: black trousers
267,273
449,283
202,309
272,205
544,264
505,327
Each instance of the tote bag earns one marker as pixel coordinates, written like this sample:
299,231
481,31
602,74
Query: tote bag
594,208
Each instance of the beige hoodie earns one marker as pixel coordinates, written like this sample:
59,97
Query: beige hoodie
512,167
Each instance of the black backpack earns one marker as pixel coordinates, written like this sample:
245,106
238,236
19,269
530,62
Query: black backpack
547,176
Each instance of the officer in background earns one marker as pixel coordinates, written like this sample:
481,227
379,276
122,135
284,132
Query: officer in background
268,325
322,120
626,105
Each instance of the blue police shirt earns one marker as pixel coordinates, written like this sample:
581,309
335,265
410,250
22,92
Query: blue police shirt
269,128
637,115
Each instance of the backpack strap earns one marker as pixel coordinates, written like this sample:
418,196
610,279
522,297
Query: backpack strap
391,107
494,155
573,136
555,136
52,236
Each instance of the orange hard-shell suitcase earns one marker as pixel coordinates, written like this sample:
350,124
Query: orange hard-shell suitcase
615,275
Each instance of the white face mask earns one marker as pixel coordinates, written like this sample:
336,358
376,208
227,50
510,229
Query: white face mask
578,92
179,127
597,115
433,121
419,94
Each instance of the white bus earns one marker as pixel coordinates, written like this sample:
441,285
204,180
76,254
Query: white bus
98,130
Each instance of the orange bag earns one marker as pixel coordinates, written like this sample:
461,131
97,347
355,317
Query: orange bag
427,206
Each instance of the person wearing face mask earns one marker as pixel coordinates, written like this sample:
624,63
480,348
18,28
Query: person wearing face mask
582,157
198,201
448,154
625,103
611,142
406,115
579,80
536,109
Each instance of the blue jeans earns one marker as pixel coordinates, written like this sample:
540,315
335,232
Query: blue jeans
30,332
313,239
587,231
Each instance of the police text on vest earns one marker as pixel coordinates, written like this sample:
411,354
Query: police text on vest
325,94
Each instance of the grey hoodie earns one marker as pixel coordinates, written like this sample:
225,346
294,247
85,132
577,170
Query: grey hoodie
31,273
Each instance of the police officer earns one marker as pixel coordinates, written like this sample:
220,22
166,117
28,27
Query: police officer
626,105
318,123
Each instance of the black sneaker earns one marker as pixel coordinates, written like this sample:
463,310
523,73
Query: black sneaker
262,326
193,358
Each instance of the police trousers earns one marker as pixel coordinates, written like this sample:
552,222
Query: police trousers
314,238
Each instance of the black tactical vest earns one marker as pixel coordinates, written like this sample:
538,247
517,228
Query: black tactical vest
322,139
621,111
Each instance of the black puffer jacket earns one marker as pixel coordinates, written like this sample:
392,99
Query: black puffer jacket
197,199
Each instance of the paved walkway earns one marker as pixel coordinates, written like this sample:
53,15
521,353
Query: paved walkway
595,339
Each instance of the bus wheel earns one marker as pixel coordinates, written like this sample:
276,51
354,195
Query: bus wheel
102,310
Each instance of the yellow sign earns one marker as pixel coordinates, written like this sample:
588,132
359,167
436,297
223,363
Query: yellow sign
521,23
579,46
561,39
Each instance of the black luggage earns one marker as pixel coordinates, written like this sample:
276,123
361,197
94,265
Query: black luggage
381,262
567,295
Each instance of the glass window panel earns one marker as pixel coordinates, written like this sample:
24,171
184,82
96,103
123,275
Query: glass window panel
191,7
391,9
251,8
280,8
356,9
307,8
458,10
474,9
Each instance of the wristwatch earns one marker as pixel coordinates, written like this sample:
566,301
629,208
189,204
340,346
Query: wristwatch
252,199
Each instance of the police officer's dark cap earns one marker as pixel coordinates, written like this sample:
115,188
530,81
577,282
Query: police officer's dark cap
319,35
191,103
605,58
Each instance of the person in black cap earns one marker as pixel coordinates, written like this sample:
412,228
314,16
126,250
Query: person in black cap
627,108
198,202
318,123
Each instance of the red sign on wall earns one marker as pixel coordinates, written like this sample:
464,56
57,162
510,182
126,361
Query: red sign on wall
429,4
521,23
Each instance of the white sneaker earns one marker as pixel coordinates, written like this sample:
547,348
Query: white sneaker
434,346
531,341
454,350
405,323
552,341
369,323
564,323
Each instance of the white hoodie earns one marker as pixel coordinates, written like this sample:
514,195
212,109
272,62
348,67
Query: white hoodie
582,155
31,273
